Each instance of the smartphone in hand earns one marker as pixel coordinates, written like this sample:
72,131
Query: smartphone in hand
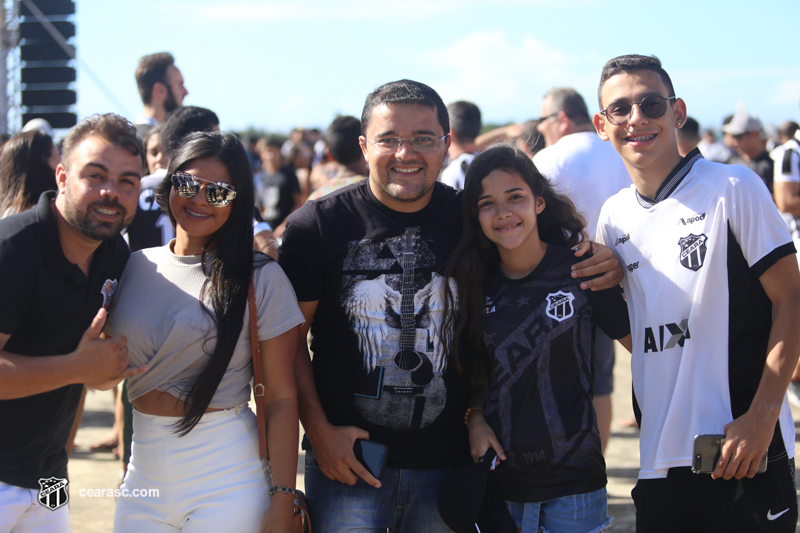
707,451
372,455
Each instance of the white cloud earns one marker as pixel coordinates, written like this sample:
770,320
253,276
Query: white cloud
506,78
786,92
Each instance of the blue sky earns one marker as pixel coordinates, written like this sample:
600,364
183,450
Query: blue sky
277,64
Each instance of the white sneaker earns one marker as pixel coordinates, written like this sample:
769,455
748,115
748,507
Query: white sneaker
794,393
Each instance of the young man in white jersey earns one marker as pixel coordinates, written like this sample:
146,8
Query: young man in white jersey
713,291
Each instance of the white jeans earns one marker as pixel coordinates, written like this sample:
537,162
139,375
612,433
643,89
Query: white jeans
21,512
211,480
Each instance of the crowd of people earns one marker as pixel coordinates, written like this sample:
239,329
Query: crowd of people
450,295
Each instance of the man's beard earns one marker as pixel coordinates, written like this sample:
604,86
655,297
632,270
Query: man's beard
170,103
95,229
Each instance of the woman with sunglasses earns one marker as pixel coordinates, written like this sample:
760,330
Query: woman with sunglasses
526,328
183,308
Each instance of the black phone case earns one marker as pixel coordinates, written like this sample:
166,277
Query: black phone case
372,455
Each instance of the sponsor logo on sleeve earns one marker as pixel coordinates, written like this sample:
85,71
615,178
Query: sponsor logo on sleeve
622,240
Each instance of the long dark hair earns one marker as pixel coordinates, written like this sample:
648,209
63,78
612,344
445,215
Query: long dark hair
228,269
476,256
24,171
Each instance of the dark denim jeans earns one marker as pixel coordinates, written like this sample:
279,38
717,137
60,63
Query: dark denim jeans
579,513
405,503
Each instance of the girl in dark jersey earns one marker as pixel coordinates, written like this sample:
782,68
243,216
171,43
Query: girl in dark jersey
526,329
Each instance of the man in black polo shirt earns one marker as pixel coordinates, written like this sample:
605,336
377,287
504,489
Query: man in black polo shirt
59,264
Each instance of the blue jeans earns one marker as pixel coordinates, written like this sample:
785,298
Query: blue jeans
405,503
578,513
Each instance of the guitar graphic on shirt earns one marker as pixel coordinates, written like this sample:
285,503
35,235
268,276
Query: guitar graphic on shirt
408,358
410,393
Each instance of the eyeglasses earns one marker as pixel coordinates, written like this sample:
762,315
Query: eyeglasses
542,119
421,143
653,106
188,185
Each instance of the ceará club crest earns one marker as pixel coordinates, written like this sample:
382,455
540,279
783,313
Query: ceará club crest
559,305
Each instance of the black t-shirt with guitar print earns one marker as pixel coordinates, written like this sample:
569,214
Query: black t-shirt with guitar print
378,358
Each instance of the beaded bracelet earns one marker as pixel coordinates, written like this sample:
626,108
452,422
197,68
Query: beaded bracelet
284,489
470,410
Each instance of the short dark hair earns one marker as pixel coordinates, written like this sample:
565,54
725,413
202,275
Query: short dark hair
182,121
115,129
150,70
690,130
341,138
788,129
404,92
569,101
633,63
465,120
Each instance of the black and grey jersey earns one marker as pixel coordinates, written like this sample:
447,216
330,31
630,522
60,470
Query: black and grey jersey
538,332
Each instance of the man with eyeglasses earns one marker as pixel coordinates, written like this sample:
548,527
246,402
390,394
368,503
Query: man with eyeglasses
60,263
713,291
580,165
365,262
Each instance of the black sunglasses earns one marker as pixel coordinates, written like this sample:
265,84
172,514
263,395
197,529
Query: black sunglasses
188,185
653,106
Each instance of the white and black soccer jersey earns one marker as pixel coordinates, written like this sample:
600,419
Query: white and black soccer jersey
700,319
538,331
787,169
